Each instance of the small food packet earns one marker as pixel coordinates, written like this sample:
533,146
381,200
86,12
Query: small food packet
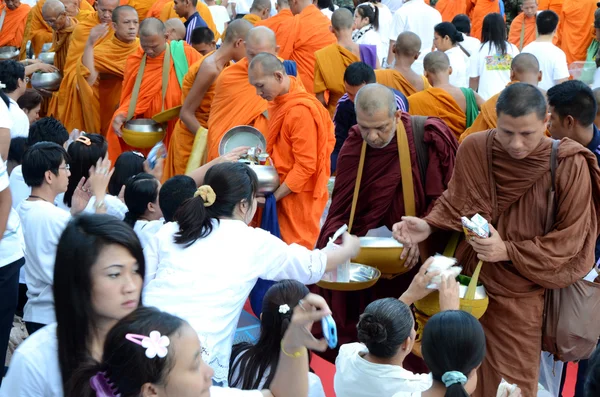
446,267
505,389
158,151
477,226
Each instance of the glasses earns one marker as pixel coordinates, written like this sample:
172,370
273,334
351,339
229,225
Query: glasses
27,79
66,167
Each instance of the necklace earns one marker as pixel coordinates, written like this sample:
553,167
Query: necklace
38,197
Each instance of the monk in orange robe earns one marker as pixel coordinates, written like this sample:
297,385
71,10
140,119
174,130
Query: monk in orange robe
308,32
523,29
150,100
277,21
457,107
142,7
524,68
259,11
451,8
575,27
198,91
480,10
168,12
300,142
156,9
401,77
470,7
554,5
15,19
100,70
63,26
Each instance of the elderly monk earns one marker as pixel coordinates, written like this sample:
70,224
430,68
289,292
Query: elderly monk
480,10
100,70
504,176
168,11
175,29
55,16
150,99
575,32
380,198
523,28
203,40
451,8
198,91
524,68
276,22
300,142
332,61
457,107
259,11
402,77
308,32
15,19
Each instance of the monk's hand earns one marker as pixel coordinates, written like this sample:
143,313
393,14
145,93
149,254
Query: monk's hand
234,155
411,256
449,294
118,124
260,201
411,230
418,287
491,249
97,32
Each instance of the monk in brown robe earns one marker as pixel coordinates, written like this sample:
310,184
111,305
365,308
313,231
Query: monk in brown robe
380,200
259,11
402,78
504,176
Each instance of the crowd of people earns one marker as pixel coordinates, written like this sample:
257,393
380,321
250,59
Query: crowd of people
124,270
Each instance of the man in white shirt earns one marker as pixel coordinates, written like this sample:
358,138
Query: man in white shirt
462,23
417,17
12,76
553,61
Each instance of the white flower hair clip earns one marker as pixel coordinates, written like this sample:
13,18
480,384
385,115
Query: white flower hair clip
284,309
2,85
155,344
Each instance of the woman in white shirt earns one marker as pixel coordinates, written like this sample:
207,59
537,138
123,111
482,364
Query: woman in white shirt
208,261
31,103
489,71
447,39
144,213
366,25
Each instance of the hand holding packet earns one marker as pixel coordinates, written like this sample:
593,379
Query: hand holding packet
476,226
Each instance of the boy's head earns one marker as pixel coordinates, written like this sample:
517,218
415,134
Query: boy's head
47,129
173,193
45,165
203,40
12,75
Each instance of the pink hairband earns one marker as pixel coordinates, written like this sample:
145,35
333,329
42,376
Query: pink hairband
155,344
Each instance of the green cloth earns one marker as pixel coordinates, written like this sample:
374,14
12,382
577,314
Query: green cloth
179,60
472,109
589,68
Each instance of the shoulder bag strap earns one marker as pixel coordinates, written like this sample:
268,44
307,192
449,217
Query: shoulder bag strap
522,40
418,130
408,189
551,214
136,89
165,74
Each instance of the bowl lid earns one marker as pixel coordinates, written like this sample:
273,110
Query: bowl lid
242,135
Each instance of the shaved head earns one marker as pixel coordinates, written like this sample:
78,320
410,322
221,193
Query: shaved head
282,4
153,37
260,5
105,9
52,8
267,74
525,63
342,19
436,62
152,27
175,29
260,39
237,29
407,44
121,10
268,63
71,7
373,98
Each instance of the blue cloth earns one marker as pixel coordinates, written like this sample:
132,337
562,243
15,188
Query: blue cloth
290,68
270,223
501,4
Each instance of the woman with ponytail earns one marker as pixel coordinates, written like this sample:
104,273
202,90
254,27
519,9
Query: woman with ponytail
447,38
366,26
144,214
203,266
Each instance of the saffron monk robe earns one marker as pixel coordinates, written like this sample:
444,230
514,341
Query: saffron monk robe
554,5
277,21
259,11
332,61
100,70
62,25
523,28
451,8
198,91
401,77
480,10
504,176
15,18
575,28
300,141
457,107
236,102
150,101
168,11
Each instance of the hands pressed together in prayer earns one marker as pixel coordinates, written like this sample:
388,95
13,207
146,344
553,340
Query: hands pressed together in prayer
491,249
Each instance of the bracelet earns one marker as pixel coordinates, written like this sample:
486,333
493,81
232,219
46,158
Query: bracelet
297,354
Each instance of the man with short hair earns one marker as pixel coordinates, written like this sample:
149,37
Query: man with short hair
553,61
203,40
504,176
523,27
176,30
166,11
187,9
259,11
15,18
173,193
12,76
462,23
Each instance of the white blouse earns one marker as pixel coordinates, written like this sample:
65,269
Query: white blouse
460,67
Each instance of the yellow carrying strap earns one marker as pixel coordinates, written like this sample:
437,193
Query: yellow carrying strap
361,164
199,152
166,70
408,188
522,40
470,294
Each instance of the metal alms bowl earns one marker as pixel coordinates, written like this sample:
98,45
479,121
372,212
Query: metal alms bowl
361,277
47,57
382,253
142,133
268,178
242,135
9,52
48,81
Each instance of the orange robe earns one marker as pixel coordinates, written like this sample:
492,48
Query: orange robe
142,7
300,141
574,30
480,10
308,32
554,5
486,120
517,26
156,9
436,102
451,8
235,103
470,6
110,57
252,18
149,101
394,79
168,12
60,44
13,28
331,63
276,22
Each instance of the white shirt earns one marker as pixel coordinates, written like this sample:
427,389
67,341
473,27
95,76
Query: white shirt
146,229
553,62
460,67
393,5
242,6
19,190
34,369
208,283
12,245
327,12
20,120
417,17
371,37
357,377
114,206
43,223
470,44
385,23
492,68
220,17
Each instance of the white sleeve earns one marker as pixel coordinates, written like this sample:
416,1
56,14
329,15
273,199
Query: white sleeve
474,65
151,258
55,229
4,181
23,379
398,26
6,120
561,69
227,392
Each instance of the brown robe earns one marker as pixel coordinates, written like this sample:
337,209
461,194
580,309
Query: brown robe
512,196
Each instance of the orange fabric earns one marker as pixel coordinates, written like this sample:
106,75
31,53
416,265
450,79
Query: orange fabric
156,9
577,19
235,103
168,12
60,44
276,22
451,8
36,30
330,64
515,31
481,9
300,141
142,7
13,28
486,120
436,102
308,32
252,18
149,101
554,5
470,6
394,79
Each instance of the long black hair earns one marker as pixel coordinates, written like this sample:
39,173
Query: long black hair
127,165
453,341
251,362
232,184
140,190
444,29
494,32
79,247
82,157
369,10
124,364
322,4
